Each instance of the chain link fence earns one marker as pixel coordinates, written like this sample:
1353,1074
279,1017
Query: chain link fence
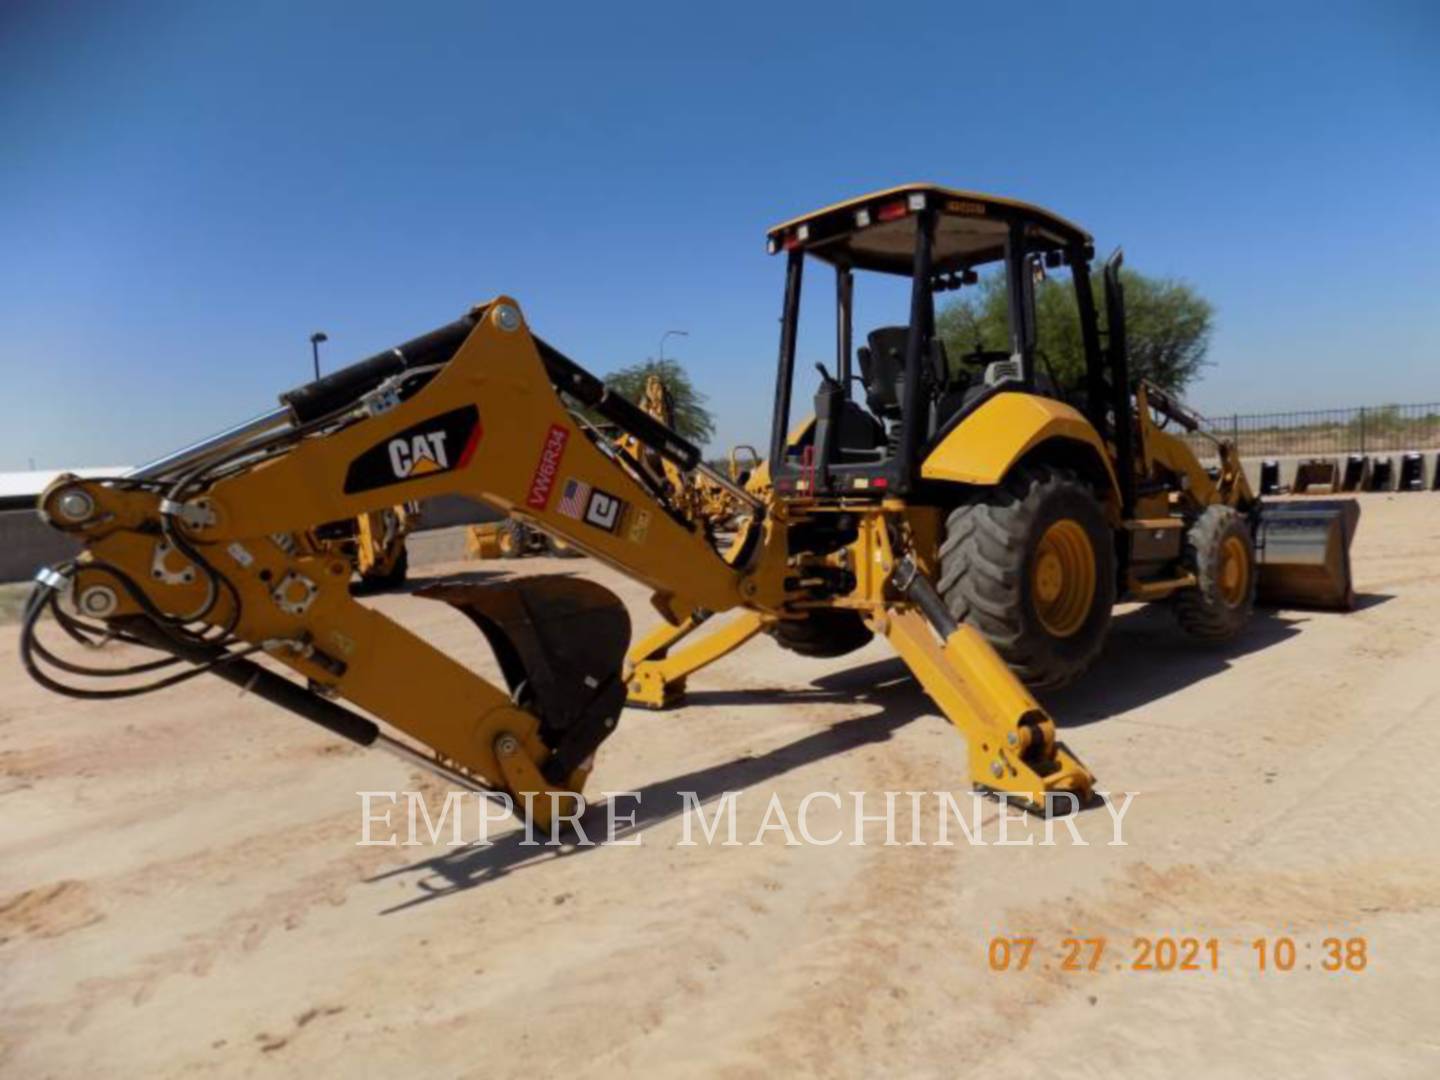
1366,429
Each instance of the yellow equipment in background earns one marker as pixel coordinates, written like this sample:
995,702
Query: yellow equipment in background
374,543
511,538
979,517
700,498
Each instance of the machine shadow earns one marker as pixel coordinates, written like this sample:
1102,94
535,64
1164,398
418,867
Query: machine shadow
416,582
1147,657
884,681
885,684
1369,600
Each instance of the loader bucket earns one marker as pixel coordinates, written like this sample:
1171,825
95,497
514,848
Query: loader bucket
560,642
1303,551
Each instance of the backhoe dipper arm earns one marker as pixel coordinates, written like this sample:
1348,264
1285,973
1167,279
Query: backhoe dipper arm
210,558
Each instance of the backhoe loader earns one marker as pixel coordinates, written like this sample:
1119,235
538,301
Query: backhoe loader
511,538
694,494
979,517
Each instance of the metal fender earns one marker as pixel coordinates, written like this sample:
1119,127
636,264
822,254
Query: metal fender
984,446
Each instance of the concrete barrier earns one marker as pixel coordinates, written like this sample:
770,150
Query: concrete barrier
1289,465
27,544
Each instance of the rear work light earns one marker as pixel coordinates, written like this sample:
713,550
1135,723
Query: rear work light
892,211
911,204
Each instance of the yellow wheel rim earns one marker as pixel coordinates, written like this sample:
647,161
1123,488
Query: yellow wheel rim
1234,571
1062,578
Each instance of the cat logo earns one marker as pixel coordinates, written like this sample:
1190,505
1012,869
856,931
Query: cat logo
438,445
424,453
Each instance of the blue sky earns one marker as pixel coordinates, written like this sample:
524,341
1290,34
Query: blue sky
189,189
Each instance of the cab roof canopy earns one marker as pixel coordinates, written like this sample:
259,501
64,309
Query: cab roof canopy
877,231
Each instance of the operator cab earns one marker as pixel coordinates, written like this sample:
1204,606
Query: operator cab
873,427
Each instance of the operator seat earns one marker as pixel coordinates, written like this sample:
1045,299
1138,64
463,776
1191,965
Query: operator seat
882,370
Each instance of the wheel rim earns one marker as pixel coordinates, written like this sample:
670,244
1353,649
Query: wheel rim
1234,571
507,543
1062,578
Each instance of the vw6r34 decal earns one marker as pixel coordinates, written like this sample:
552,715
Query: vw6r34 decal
440,444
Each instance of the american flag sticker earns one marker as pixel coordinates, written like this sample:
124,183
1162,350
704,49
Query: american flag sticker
573,498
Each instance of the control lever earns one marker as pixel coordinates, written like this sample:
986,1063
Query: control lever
829,401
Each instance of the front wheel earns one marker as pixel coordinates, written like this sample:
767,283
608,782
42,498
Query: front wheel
1220,552
1031,565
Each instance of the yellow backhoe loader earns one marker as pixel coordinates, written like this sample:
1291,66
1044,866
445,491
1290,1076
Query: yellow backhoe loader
981,518
699,498
511,538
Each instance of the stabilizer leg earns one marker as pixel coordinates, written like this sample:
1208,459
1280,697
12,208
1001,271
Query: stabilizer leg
657,676
1011,738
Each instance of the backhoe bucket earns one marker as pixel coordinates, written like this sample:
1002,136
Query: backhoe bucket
560,642
1303,550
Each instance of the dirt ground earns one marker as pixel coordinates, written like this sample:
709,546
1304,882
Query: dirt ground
182,893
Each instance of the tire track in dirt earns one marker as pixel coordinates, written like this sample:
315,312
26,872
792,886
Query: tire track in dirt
72,905
47,911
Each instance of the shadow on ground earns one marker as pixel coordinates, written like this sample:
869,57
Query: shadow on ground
1147,658
416,582
884,684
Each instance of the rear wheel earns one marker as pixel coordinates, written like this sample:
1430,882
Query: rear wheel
1220,552
1031,565
823,632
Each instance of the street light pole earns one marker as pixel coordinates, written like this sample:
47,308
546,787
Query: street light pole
670,333
315,340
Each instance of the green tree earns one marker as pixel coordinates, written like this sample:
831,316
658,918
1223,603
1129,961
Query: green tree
692,419
1168,327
